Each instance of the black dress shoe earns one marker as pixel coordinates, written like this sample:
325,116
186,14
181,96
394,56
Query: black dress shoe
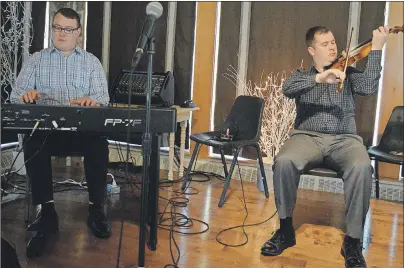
36,245
45,225
45,222
97,223
278,243
352,252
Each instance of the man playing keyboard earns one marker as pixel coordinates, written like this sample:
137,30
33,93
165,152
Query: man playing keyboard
63,74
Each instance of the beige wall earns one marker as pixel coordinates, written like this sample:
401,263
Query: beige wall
203,69
393,89
392,94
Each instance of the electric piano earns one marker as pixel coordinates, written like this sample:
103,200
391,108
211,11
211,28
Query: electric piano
112,122
23,118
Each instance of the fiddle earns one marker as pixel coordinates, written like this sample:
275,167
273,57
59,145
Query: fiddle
358,53
341,84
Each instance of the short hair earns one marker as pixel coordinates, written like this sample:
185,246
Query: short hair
315,30
70,14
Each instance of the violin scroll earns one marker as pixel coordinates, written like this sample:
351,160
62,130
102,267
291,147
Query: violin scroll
397,29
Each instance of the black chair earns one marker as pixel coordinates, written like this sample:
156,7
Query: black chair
391,146
244,123
322,171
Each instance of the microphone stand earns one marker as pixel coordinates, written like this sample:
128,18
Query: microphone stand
146,145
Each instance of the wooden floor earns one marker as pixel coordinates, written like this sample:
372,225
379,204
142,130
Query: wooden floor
318,220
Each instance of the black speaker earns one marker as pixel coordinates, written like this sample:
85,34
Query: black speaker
162,88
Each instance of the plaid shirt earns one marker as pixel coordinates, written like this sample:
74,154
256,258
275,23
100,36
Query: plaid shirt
60,79
320,108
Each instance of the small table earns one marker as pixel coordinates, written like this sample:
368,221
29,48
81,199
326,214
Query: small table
183,115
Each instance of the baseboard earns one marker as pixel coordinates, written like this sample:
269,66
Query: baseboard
389,191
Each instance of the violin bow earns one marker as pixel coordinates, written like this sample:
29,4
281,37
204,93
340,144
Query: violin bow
348,46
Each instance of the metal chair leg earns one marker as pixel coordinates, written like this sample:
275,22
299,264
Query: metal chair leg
228,177
224,163
189,169
377,179
261,163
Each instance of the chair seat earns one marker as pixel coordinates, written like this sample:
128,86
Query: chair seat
322,172
212,138
382,155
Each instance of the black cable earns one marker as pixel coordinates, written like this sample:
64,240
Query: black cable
57,186
15,159
22,147
243,225
208,175
7,176
127,177
202,173
128,132
179,220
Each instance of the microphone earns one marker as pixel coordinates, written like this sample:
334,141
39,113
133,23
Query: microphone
153,10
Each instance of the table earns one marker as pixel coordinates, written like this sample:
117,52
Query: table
183,115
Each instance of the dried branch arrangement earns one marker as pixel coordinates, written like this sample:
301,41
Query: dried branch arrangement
15,40
279,111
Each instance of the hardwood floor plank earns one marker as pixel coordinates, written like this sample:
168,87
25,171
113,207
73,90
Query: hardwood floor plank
318,220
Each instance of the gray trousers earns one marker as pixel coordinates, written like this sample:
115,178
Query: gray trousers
344,153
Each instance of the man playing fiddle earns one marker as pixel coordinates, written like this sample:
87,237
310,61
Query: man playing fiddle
63,74
325,133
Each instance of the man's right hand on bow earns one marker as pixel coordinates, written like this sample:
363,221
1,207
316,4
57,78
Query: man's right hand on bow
331,76
30,96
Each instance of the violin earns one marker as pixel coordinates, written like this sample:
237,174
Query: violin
358,53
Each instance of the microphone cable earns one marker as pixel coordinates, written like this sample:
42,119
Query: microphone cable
243,225
128,132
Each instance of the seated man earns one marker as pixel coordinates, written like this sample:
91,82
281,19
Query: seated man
61,75
325,132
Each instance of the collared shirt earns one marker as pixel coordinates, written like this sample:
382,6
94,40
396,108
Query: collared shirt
60,79
320,108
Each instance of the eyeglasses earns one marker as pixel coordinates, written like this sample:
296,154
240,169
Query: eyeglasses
66,30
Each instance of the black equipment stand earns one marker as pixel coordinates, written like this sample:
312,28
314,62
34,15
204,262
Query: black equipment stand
146,145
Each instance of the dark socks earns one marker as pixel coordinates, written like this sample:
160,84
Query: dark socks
94,207
48,207
286,225
351,240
